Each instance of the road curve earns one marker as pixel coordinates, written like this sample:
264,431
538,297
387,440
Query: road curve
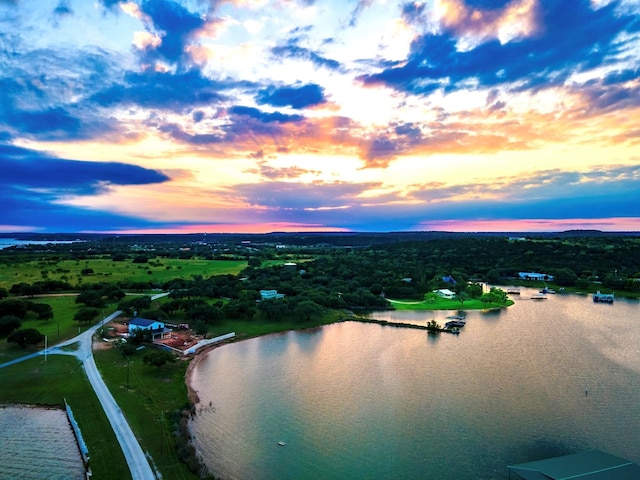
136,459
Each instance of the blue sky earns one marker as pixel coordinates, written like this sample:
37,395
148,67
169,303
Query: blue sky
312,115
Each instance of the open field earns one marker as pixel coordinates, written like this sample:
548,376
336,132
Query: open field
446,304
153,396
37,382
61,327
159,270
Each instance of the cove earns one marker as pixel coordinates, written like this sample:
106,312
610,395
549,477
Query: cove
364,401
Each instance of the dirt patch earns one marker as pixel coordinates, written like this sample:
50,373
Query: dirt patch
180,339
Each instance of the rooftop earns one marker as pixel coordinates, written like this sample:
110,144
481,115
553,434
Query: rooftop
592,465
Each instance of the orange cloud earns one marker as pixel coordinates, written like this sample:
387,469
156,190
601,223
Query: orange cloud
518,19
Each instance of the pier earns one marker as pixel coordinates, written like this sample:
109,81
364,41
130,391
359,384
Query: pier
428,328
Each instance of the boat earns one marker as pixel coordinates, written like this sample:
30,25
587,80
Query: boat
281,443
538,296
603,297
513,291
454,323
456,317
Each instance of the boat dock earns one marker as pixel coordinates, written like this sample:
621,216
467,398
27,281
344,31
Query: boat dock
603,297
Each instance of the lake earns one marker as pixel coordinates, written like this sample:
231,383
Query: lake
363,401
38,443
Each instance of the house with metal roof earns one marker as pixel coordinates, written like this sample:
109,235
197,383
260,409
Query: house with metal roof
593,465
157,328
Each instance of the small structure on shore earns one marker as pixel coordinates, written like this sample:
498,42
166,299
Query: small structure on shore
603,297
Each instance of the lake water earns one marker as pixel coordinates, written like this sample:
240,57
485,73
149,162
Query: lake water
38,443
363,401
12,242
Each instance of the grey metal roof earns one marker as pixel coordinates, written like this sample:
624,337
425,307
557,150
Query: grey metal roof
592,465
141,322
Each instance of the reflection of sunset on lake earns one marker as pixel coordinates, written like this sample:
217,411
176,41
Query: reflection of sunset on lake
289,115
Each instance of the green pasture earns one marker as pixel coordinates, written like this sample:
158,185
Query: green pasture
446,304
153,396
36,382
158,270
61,327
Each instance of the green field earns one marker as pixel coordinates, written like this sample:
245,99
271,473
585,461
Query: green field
61,327
446,304
154,397
159,270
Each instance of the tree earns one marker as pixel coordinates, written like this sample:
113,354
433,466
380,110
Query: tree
274,308
25,337
44,311
8,324
158,358
462,297
86,314
308,310
17,308
565,277
3,293
91,298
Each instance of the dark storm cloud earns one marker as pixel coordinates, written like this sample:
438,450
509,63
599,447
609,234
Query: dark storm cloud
295,97
566,44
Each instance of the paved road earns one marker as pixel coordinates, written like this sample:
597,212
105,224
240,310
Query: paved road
136,459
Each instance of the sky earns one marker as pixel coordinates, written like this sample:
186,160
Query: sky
254,116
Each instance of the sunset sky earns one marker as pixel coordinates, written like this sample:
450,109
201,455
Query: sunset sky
319,115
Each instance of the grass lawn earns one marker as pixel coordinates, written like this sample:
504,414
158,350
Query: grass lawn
153,396
61,327
49,383
446,304
106,270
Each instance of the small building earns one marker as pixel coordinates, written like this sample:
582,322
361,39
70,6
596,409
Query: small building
594,465
158,329
603,297
445,293
269,294
534,276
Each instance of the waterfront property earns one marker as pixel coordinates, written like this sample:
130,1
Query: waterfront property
445,293
535,276
157,328
270,294
586,465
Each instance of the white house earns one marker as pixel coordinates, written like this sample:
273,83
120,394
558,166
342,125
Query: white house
534,276
269,294
157,328
445,293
